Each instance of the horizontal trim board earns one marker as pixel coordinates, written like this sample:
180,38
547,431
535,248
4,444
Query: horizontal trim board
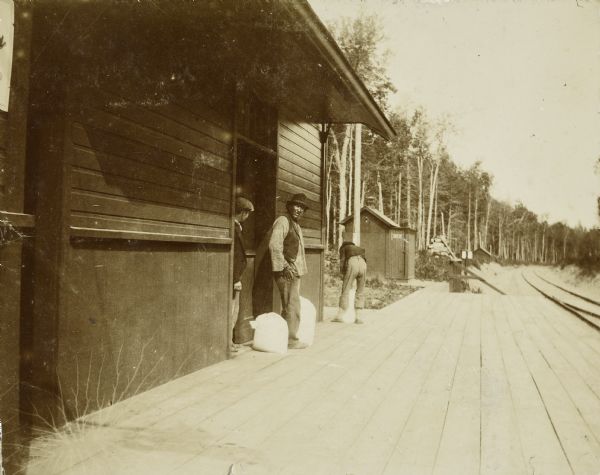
77,232
18,220
101,222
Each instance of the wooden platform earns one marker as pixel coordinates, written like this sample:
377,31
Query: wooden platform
436,383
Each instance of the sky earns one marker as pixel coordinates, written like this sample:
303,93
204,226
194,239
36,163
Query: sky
520,80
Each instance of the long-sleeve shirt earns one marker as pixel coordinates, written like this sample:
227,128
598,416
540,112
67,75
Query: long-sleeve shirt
280,229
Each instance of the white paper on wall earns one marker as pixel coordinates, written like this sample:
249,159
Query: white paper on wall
6,52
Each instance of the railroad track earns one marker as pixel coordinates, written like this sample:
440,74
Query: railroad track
584,307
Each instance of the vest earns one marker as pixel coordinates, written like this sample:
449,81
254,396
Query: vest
291,243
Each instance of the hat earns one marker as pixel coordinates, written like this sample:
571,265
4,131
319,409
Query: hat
243,204
298,199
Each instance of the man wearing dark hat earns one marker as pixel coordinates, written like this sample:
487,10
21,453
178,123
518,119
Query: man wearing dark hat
243,208
289,263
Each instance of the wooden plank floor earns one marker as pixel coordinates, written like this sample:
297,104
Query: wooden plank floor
435,383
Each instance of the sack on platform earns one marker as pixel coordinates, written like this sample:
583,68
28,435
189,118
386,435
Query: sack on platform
348,315
308,319
270,333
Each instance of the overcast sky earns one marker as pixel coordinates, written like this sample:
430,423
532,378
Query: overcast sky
520,80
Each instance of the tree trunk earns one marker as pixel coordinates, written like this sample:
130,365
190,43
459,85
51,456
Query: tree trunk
420,236
341,162
408,216
350,171
357,185
399,199
449,226
475,230
469,223
379,195
487,219
362,195
432,187
443,227
435,208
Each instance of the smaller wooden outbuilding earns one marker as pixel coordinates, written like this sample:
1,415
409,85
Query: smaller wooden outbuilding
389,248
483,256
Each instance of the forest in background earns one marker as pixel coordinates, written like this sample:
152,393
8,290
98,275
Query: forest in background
414,180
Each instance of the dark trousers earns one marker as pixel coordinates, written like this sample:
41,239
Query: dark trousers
356,270
235,312
289,291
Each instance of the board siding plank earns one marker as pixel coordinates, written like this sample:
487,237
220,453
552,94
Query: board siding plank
297,151
202,121
308,185
83,201
217,157
156,118
88,180
300,137
291,158
148,173
308,131
294,169
115,145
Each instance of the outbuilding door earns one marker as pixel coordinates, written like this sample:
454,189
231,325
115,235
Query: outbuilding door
396,255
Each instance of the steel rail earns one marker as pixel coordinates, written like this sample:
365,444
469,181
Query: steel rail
579,313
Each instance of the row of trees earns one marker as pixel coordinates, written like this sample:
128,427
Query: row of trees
413,179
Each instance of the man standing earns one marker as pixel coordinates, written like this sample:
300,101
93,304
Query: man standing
286,246
243,208
353,267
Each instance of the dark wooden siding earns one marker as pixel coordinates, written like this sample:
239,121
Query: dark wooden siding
300,172
148,169
312,282
137,311
139,314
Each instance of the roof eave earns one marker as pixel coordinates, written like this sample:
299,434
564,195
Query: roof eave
336,59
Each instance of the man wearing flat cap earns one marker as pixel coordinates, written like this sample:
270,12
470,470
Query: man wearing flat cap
289,263
243,208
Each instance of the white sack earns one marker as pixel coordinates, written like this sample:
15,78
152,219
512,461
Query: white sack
308,319
349,315
270,333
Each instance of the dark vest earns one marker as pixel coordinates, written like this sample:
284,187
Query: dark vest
291,243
